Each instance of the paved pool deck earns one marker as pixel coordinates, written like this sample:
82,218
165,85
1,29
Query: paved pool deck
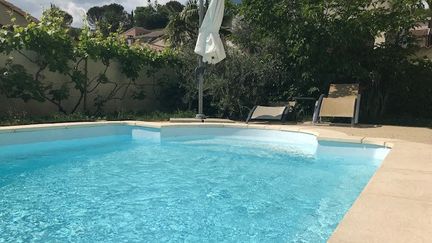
396,204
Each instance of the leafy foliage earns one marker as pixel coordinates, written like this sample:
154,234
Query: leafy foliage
156,16
109,18
278,49
323,42
53,49
55,11
15,82
183,26
21,118
48,46
238,83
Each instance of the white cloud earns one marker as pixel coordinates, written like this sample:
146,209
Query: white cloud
78,13
75,7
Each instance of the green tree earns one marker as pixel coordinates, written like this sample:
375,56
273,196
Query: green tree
296,48
156,16
152,16
174,7
15,82
109,18
183,26
321,42
56,11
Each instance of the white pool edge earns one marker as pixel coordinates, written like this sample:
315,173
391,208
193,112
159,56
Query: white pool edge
320,135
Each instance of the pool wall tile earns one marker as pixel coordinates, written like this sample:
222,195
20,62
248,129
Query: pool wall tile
60,133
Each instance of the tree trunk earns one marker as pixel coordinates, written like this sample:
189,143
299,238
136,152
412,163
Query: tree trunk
85,86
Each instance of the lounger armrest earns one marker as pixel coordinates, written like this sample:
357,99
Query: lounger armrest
317,109
357,109
285,113
250,114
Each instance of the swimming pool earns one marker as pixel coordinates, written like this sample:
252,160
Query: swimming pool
126,183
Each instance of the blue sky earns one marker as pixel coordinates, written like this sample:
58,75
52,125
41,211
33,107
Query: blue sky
76,8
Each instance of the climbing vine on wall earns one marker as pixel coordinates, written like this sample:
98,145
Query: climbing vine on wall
49,46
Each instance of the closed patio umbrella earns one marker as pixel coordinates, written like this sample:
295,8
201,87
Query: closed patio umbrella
209,44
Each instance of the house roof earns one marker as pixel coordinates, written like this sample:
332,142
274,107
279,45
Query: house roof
18,10
154,34
158,44
136,31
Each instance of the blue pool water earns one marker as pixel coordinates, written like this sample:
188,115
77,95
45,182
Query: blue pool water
131,185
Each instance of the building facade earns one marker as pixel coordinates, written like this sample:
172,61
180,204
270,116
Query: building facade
8,11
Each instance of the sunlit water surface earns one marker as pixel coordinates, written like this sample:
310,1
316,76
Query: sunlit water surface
202,189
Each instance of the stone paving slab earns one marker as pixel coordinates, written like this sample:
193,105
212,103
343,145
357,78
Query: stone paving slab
403,184
379,218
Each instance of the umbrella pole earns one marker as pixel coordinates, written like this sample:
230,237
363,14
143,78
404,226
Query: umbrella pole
200,70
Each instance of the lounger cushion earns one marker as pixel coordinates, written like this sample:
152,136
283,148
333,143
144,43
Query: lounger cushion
268,113
338,107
